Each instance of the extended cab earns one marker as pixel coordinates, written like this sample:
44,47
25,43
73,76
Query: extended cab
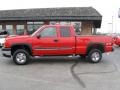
56,40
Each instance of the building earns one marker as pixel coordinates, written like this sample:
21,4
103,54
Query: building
26,21
119,13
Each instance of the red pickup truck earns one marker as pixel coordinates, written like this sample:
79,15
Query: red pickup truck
56,40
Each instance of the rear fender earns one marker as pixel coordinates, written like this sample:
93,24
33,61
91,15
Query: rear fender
99,46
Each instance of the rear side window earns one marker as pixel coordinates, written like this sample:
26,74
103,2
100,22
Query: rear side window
65,32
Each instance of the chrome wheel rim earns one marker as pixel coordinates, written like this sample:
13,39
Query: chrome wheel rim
95,56
21,58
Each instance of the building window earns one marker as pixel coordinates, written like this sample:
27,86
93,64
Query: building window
33,26
0,28
54,22
65,23
9,29
19,29
60,22
77,27
1,31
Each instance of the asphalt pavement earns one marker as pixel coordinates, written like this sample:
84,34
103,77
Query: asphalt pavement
61,73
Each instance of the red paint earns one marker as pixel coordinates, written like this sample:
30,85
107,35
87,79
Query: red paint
117,41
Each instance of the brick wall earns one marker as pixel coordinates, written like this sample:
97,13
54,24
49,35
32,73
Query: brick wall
86,28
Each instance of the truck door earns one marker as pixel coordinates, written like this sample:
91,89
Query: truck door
48,41
66,40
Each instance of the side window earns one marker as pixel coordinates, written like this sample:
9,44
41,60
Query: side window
48,32
65,32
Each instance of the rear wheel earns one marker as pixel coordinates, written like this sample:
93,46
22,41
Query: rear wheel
95,56
21,57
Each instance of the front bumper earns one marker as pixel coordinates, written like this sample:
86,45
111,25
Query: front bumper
6,52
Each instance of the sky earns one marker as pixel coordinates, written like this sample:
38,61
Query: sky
107,8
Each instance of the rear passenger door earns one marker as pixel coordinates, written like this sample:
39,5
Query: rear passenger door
66,40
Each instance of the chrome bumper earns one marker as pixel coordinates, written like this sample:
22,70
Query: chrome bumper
6,52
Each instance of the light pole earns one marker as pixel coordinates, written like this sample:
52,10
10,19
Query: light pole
111,24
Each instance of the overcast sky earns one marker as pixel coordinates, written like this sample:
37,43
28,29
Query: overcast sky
107,8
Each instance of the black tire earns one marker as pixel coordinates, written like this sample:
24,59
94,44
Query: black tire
95,56
21,57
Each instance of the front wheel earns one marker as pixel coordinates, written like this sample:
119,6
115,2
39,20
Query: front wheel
95,56
21,57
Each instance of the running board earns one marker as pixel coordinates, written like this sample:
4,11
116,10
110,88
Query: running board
54,56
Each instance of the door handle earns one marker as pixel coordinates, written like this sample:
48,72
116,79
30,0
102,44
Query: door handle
55,40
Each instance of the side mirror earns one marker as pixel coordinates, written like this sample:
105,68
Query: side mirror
38,36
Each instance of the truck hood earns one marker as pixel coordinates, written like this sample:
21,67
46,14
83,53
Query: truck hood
10,40
17,37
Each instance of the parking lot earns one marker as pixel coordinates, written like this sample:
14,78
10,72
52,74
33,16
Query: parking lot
62,73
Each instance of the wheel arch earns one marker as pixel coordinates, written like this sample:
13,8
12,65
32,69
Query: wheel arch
24,46
99,46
